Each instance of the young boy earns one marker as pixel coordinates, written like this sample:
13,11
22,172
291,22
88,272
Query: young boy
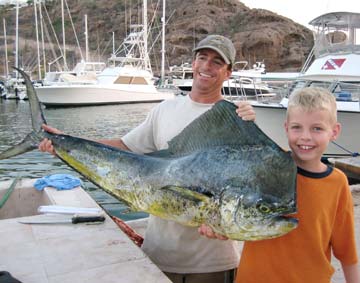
324,201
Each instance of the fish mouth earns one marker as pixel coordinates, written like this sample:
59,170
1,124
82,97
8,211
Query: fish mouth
285,224
267,228
288,219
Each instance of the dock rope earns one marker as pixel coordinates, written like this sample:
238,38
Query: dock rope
8,192
353,154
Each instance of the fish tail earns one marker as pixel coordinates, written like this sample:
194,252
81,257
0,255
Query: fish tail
32,140
25,145
37,116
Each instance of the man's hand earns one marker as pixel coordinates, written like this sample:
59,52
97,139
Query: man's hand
245,111
46,144
209,233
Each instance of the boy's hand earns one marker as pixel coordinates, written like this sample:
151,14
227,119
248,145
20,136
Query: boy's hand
46,144
208,232
245,111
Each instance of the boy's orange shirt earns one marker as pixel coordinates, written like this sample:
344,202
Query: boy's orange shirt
326,223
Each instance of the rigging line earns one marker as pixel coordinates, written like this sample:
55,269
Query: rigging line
107,44
157,37
346,150
153,17
48,36
46,31
72,25
30,62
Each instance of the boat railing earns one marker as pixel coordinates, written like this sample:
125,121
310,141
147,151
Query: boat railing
308,61
344,92
244,88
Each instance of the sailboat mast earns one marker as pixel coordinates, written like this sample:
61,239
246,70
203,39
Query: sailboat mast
145,37
63,33
145,27
163,45
86,41
17,38
37,40
6,55
42,37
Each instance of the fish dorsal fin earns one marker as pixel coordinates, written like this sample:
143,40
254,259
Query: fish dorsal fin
218,126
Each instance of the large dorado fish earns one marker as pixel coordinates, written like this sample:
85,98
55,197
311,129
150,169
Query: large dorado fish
220,170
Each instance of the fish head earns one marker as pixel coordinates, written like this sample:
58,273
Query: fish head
253,216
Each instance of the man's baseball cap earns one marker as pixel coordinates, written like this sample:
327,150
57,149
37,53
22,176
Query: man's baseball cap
221,45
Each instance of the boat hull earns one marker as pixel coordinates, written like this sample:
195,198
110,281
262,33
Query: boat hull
82,95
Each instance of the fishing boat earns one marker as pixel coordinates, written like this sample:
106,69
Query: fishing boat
242,83
34,250
128,79
14,87
332,64
114,85
84,72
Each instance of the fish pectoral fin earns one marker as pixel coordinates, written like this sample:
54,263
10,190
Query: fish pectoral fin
190,193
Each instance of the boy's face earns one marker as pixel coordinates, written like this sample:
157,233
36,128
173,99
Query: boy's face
309,133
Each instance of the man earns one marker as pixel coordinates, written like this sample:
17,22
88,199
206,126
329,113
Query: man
180,251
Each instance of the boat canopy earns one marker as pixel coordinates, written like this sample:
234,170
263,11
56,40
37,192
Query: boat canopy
336,33
337,19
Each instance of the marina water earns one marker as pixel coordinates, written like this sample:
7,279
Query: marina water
95,122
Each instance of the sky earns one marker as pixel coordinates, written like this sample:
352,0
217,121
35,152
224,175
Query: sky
300,11
303,11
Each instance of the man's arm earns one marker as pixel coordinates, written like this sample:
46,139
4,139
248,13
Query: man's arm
351,273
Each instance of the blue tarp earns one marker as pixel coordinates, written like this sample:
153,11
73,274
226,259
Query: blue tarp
58,181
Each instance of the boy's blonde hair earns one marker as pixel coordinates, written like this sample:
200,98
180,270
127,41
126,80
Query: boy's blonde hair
313,98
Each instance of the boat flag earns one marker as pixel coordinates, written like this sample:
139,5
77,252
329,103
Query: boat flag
333,64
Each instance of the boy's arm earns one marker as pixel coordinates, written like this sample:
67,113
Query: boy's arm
351,273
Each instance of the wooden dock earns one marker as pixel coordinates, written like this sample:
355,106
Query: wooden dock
66,253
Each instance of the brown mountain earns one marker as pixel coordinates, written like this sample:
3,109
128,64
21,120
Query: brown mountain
258,35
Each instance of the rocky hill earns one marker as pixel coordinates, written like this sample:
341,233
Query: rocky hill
258,35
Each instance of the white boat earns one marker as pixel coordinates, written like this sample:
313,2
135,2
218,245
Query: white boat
335,66
83,73
128,80
15,88
243,82
115,85
259,72
2,89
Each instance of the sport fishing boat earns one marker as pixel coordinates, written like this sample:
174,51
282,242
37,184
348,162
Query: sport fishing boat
242,83
128,79
333,64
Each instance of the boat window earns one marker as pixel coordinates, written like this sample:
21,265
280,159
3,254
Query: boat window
131,80
347,91
298,85
322,84
188,75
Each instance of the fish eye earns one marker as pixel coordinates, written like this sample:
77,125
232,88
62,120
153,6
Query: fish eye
263,208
